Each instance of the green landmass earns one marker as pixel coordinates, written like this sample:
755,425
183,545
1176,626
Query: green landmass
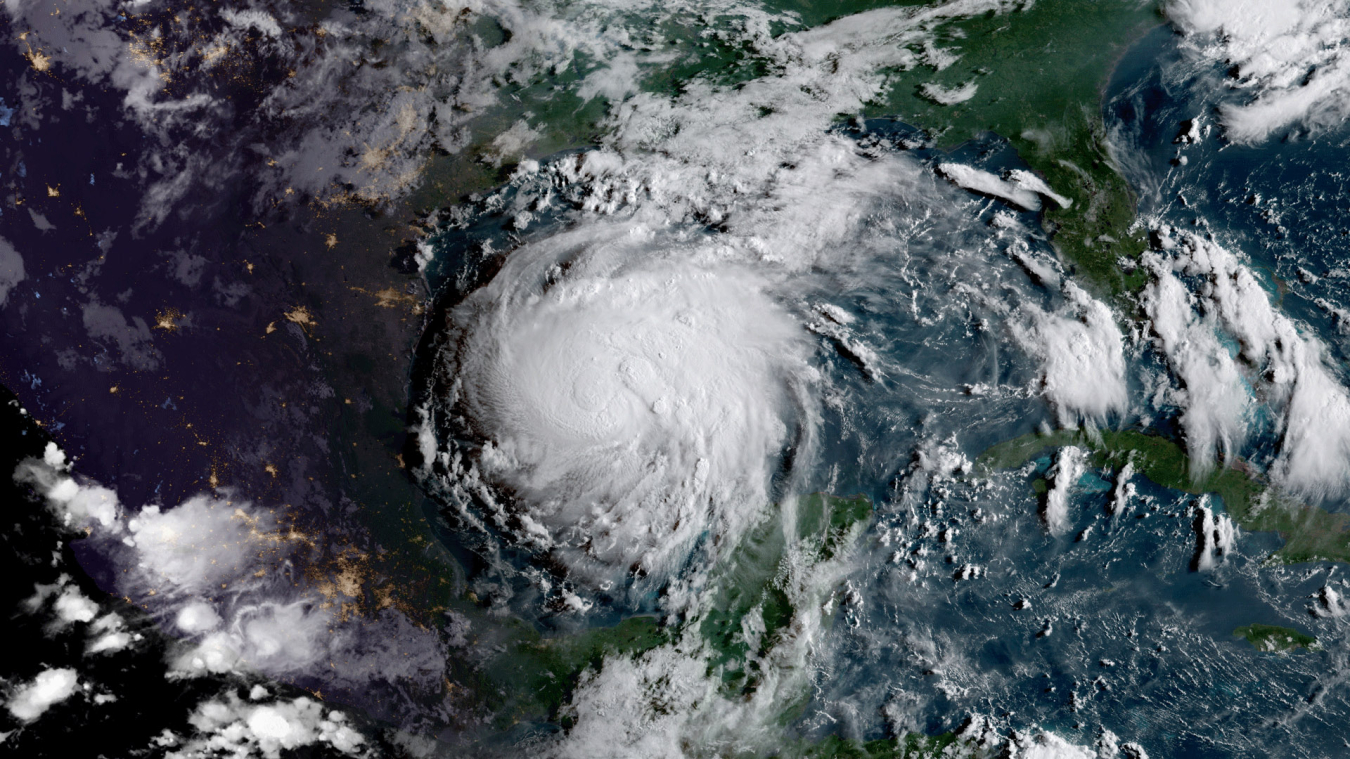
534,675
1041,75
755,583
1276,639
1309,533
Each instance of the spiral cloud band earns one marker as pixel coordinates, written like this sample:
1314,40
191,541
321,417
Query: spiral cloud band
632,403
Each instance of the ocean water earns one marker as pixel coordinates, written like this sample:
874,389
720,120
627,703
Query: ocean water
1120,633
958,603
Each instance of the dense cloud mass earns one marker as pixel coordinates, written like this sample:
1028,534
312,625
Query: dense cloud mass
583,413
29,701
631,404
1082,355
1290,60
224,576
1281,362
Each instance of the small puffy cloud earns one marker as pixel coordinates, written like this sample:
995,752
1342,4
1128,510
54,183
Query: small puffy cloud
50,687
109,635
73,606
197,617
1043,745
54,457
949,95
70,605
1110,747
214,654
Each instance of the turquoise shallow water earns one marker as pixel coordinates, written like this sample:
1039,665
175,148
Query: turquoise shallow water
1138,643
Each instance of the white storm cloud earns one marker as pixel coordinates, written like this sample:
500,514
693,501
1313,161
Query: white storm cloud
200,544
73,606
197,617
50,687
1082,356
1290,60
232,726
1311,404
631,408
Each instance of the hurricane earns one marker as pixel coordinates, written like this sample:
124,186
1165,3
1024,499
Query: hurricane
633,396
568,378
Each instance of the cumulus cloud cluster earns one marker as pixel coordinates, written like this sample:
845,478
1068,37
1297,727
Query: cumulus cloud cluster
52,686
1215,535
231,726
1123,491
1070,464
1274,363
78,506
1290,58
1329,603
221,575
1081,353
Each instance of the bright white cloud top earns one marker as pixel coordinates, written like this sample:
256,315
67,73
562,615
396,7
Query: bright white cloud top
1291,60
31,700
629,403
1311,405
